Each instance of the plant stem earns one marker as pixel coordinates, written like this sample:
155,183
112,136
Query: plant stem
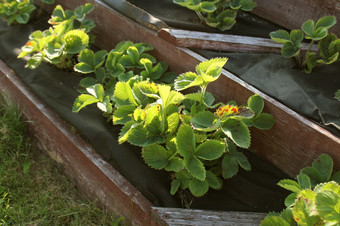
200,16
309,48
204,88
298,59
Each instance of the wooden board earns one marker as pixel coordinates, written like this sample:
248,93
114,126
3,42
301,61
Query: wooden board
292,14
223,42
175,216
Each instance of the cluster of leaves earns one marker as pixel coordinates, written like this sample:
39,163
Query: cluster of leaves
328,43
60,43
218,13
187,135
126,62
18,11
315,199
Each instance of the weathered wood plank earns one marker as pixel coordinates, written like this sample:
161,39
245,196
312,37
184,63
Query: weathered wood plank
175,216
93,175
222,42
292,13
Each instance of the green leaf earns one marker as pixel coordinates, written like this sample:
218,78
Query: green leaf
237,131
123,114
280,36
325,22
274,220
195,167
138,136
75,41
337,95
210,150
256,104
48,1
198,188
205,121
242,160
87,82
328,205
186,141
311,62
155,156
211,67
105,105
82,101
35,61
304,181
304,208
174,186
185,80
208,7
336,177
229,166
308,28
172,122
184,177
264,121
175,164
123,95
290,199
324,164
290,185
314,175
83,68
99,58
213,180
296,36
169,96
324,45
289,50
319,34
97,91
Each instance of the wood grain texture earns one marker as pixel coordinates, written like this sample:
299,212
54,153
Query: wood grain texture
175,216
92,174
292,13
223,42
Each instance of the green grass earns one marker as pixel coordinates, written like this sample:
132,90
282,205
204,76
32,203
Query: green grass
33,191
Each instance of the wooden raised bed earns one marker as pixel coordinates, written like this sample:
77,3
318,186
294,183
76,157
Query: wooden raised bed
294,139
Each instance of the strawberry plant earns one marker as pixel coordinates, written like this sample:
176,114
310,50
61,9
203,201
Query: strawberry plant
218,13
127,62
183,134
328,44
60,43
188,135
315,199
18,11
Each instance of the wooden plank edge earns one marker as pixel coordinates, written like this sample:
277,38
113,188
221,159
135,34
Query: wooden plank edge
93,175
175,216
223,42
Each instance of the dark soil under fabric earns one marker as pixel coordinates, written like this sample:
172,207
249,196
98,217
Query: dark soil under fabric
254,191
